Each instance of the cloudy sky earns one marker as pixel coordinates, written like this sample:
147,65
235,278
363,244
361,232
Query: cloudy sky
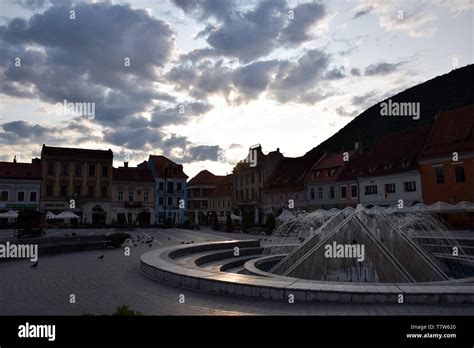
201,81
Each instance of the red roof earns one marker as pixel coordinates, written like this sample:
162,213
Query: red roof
354,168
10,170
291,172
224,188
162,164
391,154
328,168
453,131
205,177
132,174
76,152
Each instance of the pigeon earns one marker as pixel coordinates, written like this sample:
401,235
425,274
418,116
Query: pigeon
169,238
134,245
101,257
149,245
35,265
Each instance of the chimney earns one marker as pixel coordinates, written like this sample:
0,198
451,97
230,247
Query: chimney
358,146
14,159
125,164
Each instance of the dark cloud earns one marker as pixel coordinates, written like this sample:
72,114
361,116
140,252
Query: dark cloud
362,13
203,9
306,16
355,72
335,74
83,60
341,111
381,68
202,153
249,34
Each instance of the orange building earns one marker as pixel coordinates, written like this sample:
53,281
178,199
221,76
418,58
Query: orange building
447,163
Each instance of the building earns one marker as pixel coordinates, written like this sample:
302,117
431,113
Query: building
133,196
249,178
170,189
447,163
391,173
20,185
285,188
221,199
347,181
198,189
79,180
322,189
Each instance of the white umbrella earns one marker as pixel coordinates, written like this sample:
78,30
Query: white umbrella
235,217
9,215
66,215
440,207
50,215
464,206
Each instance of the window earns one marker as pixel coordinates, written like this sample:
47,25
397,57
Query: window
160,201
91,191
330,172
120,196
179,186
371,190
320,192
130,196
4,196
32,196
78,169
169,187
103,191
77,190
459,173
409,186
63,190
21,196
170,201
146,196
64,168
343,192
354,191
91,170
105,171
50,168
439,175
252,176
49,190
161,186
312,193
331,192
389,188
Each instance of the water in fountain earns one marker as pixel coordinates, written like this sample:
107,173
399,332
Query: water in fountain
393,251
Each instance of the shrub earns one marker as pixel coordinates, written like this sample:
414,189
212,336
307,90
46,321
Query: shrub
125,311
270,222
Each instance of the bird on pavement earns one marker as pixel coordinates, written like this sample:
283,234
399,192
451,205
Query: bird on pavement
35,265
101,257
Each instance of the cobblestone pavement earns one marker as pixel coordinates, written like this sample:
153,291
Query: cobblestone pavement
100,285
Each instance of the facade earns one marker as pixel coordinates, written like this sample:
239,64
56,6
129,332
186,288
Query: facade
348,183
285,188
133,196
391,170
322,189
82,177
221,199
20,185
170,189
198,189
444,176
249,179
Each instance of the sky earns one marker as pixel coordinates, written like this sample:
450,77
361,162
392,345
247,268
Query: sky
201,81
